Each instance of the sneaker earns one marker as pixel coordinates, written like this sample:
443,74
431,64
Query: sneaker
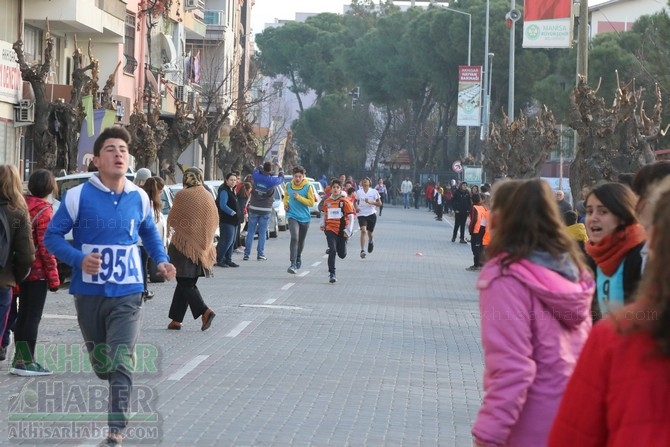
147,295
332,278
362,254
112,439
473,268
292,269
453,239
261,258
327,251
239,250
298,262
3,353
463,241
371,246
232,264
245,258
221,264
29,370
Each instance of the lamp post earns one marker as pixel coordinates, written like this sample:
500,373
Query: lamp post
466,149
484,133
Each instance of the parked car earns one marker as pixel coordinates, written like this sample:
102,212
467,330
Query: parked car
68,182
278,219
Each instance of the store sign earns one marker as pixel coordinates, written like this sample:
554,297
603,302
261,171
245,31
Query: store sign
10,75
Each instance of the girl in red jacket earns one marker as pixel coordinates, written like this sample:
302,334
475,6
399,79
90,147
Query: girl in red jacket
619,394
43,276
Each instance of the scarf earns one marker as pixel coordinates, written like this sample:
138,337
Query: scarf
612,250
194,218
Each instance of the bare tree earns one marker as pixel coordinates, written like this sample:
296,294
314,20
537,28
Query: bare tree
518,149
612,140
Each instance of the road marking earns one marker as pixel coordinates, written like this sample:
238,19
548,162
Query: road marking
271,306
270,301
303,273
287,286
238,329
187,368
318,263
60,317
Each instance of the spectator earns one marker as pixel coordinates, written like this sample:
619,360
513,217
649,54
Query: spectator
416,192
43,276
477,229
153,186
462,205
563,204
260,207
615,242
141,176
406,190
619,389
535,293
383,196
429,193
15,238
228,209
194,220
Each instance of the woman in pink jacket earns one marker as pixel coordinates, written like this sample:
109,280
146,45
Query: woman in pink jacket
535,298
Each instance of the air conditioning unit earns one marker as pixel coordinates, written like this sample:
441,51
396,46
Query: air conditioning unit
24,112
181,93
190,4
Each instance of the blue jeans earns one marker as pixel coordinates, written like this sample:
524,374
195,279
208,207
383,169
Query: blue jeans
406,197
224,249
260,221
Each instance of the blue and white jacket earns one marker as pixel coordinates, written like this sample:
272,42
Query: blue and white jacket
108,223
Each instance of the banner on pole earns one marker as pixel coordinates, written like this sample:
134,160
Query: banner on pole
547,24
469,109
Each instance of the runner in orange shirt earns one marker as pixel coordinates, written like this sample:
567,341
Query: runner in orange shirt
337,222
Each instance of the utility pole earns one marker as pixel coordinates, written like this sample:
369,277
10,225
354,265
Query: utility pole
582,40
512,46
484,133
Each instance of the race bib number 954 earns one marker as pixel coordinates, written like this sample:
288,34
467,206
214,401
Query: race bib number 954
121,264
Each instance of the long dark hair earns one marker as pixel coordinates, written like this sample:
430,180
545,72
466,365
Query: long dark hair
651,311
527,218
618,199
153,187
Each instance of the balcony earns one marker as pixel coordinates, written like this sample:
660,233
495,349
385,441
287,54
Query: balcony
194,19
216,24
99,17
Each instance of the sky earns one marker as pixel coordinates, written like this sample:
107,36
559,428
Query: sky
266,11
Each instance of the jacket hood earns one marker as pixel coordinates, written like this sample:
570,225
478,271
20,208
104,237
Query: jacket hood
301,184
35,204
568,301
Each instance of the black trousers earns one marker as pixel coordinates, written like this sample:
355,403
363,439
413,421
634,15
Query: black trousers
477,248
186,295
31,305
459,223
337,245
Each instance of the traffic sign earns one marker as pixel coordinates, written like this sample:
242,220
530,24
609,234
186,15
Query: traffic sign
456,166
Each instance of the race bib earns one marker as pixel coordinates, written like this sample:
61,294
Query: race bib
121,264
334,213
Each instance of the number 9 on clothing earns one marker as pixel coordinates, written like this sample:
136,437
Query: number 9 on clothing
121,264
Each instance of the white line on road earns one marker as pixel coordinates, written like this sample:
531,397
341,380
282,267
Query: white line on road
187,368
270,301
238,329
316,264
60,317
288,286
304,273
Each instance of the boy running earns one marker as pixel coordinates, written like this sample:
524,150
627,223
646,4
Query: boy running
337,222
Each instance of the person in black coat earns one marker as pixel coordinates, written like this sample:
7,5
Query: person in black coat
461,204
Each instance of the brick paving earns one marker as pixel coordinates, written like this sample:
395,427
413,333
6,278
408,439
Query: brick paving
387,356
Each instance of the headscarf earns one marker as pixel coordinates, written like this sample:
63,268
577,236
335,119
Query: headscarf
192,177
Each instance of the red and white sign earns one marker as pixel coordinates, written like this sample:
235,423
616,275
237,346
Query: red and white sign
547,24
457,166
10,75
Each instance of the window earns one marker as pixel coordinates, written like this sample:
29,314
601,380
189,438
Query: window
32,44
129,44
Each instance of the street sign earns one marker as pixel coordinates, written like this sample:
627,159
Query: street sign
457,166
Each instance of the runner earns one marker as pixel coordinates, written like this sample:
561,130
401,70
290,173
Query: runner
368,201
297,200
337,223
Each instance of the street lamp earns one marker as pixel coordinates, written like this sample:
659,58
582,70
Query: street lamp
466,149
486,110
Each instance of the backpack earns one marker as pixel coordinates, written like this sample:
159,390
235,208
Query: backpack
5,241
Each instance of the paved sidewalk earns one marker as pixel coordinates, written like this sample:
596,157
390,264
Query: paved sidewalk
387,356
